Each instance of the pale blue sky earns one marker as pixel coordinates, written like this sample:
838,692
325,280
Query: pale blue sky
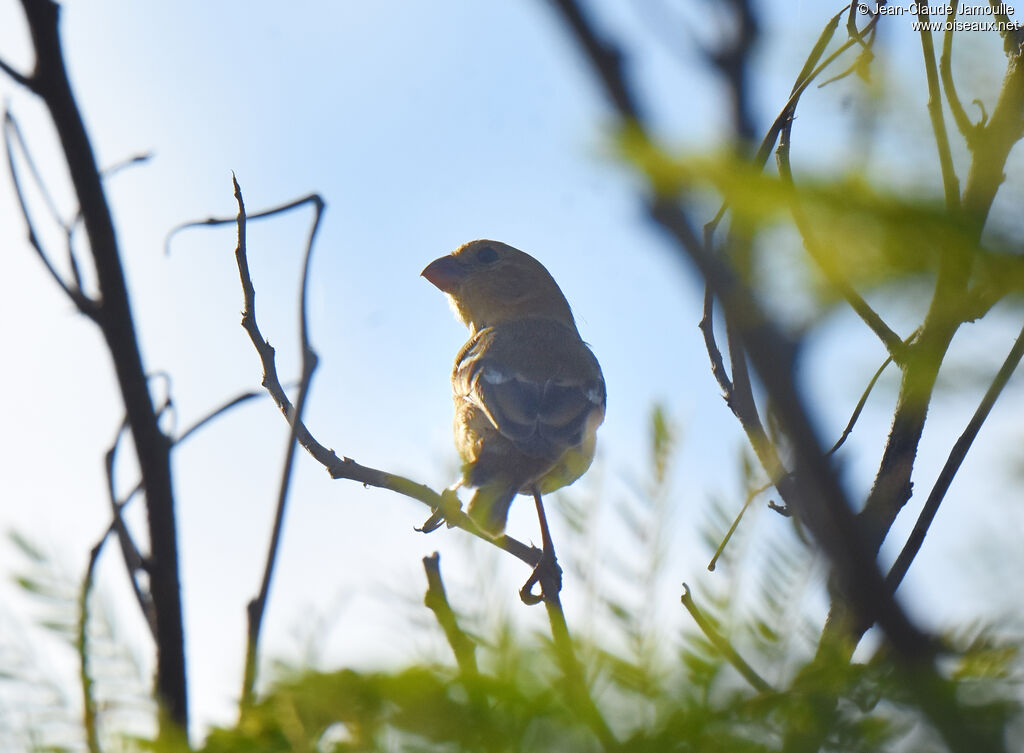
422,126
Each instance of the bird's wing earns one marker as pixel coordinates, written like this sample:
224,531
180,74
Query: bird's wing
537,383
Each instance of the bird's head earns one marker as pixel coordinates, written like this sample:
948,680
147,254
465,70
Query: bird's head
488,283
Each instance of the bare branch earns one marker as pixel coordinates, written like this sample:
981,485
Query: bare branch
860,407
952,465
114,317
823,258
27,81
436,600
217,221
133,560
12,133
257,606
89,709
216,413
735,524
963,123
707,329
950,183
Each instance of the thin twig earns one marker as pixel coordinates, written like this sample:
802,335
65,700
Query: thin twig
20,78
257,606
82,302
864,397
15,130
950,183
823,257
963,123
707,328
133,560
735,524
217,221
216,413
860,407
952,465
436,600
730,654
89,708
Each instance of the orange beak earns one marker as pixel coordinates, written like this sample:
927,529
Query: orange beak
445,273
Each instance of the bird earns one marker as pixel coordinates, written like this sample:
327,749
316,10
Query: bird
529,394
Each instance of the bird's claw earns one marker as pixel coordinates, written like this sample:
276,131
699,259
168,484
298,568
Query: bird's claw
547,574
448,508
431,524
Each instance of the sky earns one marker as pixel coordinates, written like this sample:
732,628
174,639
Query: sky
423,126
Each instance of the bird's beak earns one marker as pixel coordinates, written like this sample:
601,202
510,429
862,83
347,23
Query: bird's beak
445,273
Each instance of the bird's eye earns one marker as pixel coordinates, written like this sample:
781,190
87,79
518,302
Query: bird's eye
487,255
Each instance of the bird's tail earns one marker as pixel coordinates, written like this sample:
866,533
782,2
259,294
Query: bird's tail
489,506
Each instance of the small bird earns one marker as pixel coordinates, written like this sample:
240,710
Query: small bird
529,394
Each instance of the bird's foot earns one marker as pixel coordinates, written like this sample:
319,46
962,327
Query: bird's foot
449,508
548,575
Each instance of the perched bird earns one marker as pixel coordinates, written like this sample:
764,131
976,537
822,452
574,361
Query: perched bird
529,394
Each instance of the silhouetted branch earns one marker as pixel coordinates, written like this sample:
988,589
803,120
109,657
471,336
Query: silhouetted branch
12,133
133,560
216,413
85,681
49,80
19,78
257,606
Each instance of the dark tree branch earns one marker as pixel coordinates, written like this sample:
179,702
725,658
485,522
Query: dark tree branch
813,491
732,59
114,316
606,59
